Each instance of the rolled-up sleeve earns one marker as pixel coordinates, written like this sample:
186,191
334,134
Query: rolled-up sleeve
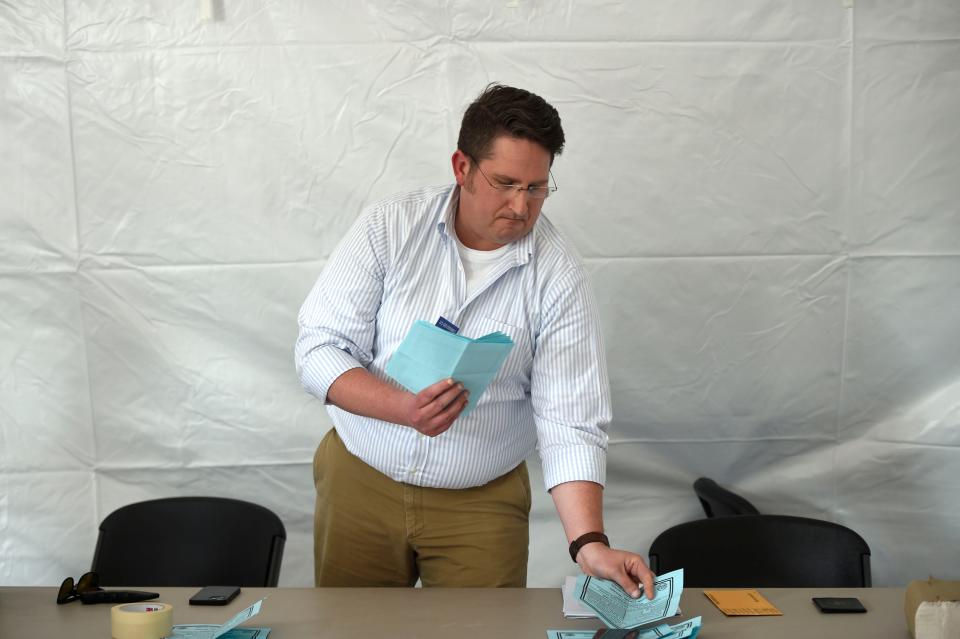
338,318
570,389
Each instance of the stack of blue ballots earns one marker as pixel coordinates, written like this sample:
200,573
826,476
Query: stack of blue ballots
429,354
629,618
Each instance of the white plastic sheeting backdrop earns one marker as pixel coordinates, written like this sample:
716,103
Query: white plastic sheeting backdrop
764,191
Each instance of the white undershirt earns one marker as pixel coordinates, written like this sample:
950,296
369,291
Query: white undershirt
477,265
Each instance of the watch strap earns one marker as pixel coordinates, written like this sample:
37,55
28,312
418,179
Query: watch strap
583,540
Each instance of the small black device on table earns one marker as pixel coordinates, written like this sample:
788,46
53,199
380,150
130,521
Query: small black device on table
215,596
838,604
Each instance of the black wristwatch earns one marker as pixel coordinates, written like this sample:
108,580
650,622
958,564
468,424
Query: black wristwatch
583,540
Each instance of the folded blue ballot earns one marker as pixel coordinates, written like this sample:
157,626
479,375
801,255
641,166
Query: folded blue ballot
618,610
686,630
429,354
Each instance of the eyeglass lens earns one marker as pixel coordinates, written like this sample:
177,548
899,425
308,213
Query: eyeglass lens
66,589
88,582
535,192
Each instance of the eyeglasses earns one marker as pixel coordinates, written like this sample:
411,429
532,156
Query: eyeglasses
88,582
534,192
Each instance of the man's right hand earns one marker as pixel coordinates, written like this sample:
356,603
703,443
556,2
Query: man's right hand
434,409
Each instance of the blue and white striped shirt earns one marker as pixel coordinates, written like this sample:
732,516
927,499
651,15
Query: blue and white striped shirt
399,263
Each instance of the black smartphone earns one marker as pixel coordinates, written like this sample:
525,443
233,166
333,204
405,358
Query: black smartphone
838,604
215,596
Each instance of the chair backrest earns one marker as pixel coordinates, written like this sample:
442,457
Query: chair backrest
774,551
720,502
190,541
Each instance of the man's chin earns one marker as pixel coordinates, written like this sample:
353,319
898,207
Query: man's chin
509,238
514,226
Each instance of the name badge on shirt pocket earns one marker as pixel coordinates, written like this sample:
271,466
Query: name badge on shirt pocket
447,325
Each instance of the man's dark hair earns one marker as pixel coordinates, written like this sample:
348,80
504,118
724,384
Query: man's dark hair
503,110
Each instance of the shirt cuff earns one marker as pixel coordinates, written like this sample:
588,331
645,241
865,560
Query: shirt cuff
321,368
574,463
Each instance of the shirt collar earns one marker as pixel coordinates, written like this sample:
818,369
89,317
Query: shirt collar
523,248
449,212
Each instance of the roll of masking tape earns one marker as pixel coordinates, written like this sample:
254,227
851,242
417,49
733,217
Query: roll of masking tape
141,621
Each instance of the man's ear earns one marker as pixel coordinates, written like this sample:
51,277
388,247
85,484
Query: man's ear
461,166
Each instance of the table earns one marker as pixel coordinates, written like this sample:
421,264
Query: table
298,613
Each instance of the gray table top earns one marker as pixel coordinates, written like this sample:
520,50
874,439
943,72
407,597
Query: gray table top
295,613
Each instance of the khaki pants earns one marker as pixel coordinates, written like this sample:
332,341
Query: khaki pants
372,531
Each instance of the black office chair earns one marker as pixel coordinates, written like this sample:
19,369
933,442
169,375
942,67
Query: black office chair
775,551
190,541
720,502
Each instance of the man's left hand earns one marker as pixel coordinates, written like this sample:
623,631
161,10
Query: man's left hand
626,568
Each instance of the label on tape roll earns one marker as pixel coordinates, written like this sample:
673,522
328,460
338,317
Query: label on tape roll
141,621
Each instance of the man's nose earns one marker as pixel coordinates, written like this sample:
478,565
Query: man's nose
520,201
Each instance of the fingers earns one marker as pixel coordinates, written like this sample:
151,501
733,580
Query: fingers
639,572
433,391
627,569
623,568
629,585
438,406
443,404
451,412
647,580
434,404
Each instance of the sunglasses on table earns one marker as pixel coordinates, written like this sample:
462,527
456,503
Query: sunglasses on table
88,591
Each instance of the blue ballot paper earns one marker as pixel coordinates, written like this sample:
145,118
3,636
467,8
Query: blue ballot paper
618,610
228,630
686,630
429,354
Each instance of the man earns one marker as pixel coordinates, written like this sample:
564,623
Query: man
406,487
